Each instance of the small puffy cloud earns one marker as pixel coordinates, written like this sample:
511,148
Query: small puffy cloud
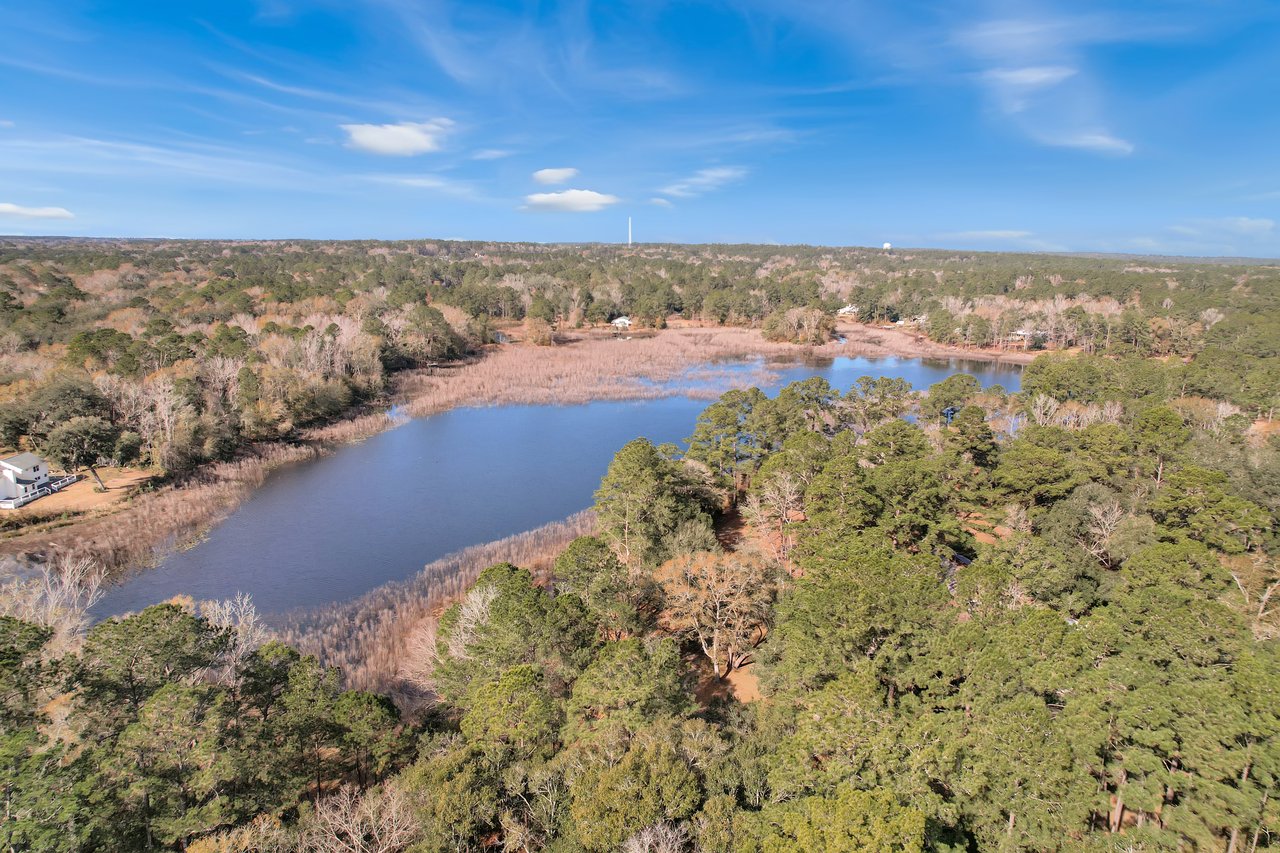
660,202
7,209
1096,141
574,201
704,181
398,140
554,176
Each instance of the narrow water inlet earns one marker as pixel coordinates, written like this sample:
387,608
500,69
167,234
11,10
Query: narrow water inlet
377,511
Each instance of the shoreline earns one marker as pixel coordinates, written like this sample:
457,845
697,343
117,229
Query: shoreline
585,366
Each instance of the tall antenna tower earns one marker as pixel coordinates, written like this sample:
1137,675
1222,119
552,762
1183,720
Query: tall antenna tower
628,230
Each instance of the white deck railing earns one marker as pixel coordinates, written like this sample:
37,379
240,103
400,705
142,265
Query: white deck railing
47,489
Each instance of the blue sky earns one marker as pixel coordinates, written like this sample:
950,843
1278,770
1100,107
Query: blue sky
1127,127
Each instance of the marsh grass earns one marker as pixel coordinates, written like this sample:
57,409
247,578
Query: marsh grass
674,362
165,519
380,640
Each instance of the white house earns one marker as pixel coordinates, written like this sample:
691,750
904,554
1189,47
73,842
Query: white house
848,311
621,322
25,477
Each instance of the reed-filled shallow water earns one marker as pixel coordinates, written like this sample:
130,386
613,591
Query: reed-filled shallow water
377,511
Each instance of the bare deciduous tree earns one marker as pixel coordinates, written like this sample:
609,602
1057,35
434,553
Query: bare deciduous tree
772,507
379,821
721,600
1043,409
56,593
659,838
1104,520
472,614
1259,582
245,631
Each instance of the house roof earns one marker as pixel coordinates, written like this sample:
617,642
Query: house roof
21,461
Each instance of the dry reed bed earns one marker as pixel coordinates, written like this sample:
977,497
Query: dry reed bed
369,637
594,368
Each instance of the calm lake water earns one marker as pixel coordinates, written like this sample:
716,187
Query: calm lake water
378,511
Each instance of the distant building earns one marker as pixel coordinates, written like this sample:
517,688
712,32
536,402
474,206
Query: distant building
25,477
621,322
848,311
888,247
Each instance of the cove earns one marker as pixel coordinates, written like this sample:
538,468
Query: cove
329,530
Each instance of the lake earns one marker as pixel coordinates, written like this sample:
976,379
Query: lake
377,511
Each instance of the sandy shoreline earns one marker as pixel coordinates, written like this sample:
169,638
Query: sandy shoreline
879,341
587,365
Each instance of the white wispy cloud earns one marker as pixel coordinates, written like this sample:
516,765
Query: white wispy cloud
554,176
435,183
1222,236
9,209
491,154
1033,71
6,123
994,234
486,47
1031,76
1248,226
704,181
574,201
660,201
1015,88
1226,226
88,156
1011,238
399,140
1099,141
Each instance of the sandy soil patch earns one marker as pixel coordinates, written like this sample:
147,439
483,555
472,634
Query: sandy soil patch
1261,430
741,684
905,342
745,684
81,497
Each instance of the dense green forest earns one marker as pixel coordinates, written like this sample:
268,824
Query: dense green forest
1046,622
179,353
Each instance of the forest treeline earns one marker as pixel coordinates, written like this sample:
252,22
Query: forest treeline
977,620
178,353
